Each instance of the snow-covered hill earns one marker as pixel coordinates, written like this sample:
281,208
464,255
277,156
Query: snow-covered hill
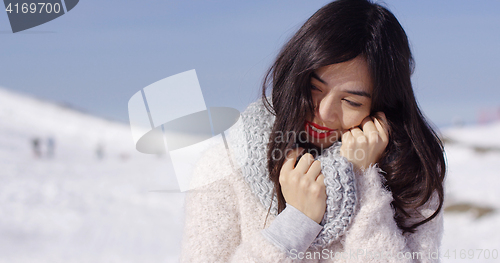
472,190
77,207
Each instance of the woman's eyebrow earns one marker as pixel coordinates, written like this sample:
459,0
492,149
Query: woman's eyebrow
314,75
359,93
353,92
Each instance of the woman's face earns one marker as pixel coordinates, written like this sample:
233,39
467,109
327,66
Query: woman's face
342,97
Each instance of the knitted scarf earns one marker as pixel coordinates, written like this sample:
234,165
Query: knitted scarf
248,140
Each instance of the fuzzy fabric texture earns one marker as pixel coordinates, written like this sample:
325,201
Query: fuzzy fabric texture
249,138
224,219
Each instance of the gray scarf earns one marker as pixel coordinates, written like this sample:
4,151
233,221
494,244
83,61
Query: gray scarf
248,140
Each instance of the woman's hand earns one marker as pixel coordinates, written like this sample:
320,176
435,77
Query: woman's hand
303,187
363,147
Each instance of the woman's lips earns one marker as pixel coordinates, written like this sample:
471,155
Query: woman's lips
317,131
319,126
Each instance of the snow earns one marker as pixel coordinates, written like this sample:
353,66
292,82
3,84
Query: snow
75,207
126,207
473,178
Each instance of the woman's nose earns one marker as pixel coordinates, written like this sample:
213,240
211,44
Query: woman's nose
328,110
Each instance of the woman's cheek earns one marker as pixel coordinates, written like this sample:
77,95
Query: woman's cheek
353,119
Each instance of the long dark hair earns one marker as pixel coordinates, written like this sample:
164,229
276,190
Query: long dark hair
413,161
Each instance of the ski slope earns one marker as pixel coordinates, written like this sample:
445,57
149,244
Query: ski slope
125,207
75,207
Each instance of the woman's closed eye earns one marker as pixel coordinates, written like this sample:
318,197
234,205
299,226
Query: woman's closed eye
315,88
352,103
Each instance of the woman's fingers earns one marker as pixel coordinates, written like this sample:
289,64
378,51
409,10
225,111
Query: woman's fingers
320,178
346,136
381,125
359,135
300,185
291,158
381,117
363,145
304,163
371,131
302,166
314,170
356,132
365,120
374,128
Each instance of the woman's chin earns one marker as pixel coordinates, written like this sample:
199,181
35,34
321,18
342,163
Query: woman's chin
323,143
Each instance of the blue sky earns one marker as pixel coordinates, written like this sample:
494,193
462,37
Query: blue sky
100,53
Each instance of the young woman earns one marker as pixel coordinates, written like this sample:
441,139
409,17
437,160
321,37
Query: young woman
338,165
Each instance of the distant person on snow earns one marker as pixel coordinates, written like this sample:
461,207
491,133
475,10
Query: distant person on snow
50,147
99,151
35,143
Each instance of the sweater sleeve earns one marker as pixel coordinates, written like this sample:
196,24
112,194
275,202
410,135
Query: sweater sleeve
427,237
292,231
212,229
374,235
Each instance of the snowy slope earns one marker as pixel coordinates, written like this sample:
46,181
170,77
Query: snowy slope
76,208
473,178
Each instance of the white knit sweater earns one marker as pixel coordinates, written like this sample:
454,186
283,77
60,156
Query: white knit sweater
224,220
